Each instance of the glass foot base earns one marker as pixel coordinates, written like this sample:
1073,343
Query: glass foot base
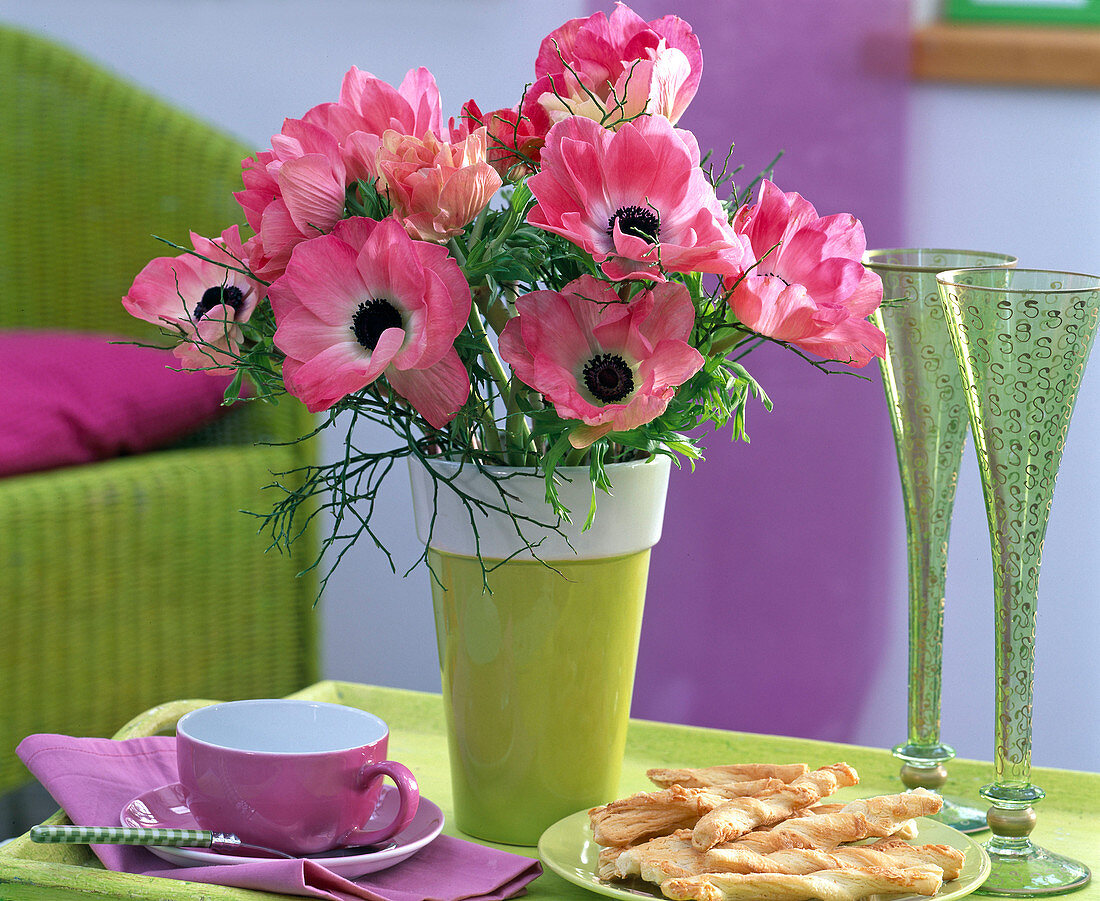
1028,869
959,816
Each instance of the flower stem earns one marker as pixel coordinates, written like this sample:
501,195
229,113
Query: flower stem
728,343
519,435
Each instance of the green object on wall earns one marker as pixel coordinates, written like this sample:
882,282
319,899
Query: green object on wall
1024,12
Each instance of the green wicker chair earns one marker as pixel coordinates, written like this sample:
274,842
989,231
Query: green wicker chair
134,581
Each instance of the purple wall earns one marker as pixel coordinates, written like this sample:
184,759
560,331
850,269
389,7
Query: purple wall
768,594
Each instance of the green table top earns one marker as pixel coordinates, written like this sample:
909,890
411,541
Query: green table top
1069,817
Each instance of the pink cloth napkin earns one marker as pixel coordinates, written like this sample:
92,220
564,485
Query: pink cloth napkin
92,779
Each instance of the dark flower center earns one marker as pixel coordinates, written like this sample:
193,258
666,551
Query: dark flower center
608,377
372,318
639,221
229,295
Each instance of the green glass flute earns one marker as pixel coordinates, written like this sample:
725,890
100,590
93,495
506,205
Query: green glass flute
1022,338
924,396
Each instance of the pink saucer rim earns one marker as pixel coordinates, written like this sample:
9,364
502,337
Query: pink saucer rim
428,824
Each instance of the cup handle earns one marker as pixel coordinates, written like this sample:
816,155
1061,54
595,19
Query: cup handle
408,797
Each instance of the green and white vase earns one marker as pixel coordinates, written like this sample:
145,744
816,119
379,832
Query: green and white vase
537,655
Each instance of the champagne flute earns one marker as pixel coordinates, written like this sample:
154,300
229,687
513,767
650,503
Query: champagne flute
924,395
1022,338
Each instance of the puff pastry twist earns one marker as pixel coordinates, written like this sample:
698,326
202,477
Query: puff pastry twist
728,775
885,853
879,817
846,884
733,819
646,814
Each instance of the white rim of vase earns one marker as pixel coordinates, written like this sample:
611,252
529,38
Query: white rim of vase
628,520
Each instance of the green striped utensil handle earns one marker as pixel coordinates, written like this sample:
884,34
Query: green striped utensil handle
122,835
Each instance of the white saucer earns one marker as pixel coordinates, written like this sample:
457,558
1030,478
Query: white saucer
165,807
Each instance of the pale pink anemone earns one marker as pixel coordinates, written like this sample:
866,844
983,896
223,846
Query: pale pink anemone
809,288
204,300
635,199
612,365
367,301
614,69
292,192
435,188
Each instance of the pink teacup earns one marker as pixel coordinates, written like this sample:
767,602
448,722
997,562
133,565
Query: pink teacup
300,776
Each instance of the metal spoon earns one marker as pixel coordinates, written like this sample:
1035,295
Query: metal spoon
222,842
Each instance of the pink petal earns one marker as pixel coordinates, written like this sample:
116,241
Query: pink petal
678,34
618,268
312,194
360,154
385,352
672,363
549,322
515,353
378,104
617,328
854,341
867,296
770,307
673,313
584,435
321,276
303,336
326,378
166,289
436,393
354,230
389,267
422,94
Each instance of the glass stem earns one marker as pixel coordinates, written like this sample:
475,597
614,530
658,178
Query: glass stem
1016,584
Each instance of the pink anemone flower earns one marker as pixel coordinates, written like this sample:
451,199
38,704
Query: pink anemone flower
367,301
204,300
612,69
292,192
435,188
635,199
369,107
809,287
612,365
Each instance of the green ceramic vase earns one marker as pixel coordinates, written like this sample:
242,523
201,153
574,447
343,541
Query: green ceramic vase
537,656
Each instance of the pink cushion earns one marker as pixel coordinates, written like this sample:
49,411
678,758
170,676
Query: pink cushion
74,398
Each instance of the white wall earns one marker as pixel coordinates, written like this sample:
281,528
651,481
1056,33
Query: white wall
989,169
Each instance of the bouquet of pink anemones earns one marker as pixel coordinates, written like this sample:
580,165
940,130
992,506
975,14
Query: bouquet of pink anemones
557,283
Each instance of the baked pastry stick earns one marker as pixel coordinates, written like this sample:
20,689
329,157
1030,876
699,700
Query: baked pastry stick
733,819
878,817
846,884
885,853
647,814
730,774
654,861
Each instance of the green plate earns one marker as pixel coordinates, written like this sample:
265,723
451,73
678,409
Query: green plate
569,850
